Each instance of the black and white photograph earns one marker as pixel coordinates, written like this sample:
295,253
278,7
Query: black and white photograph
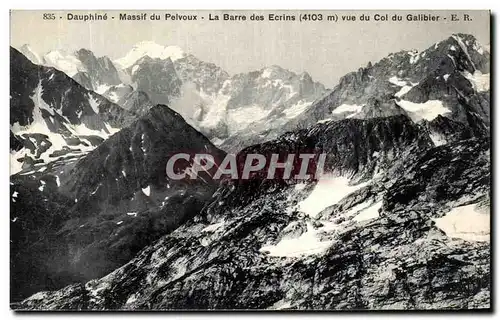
277,160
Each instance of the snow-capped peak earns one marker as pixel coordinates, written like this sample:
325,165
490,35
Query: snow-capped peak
64,61
151,49
273,71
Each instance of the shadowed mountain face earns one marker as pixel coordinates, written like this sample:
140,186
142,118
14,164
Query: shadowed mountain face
217,104
79,220
450,78
53,117
398,219
369,240
62,94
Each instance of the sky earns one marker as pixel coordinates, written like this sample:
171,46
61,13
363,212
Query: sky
326,50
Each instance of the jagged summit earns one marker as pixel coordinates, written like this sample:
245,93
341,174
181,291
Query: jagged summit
151,49
449,78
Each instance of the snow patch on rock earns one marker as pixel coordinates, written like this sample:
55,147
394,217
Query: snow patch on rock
328,191
147,191
395,80
347,108
102,88
414,56
369,213
466,222
306,244
238,119
427,110
213,227
480,81
437,139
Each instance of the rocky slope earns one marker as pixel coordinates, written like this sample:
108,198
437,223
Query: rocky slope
374,232
77,220
55,118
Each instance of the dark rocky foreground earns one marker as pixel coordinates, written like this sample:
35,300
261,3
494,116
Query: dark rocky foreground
400,259
79,220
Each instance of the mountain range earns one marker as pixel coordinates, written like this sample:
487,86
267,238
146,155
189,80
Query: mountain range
211,100
398,220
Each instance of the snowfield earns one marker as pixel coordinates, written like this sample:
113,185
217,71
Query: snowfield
466,222
480,81
147,191
328,191
427,110
347,108
405,86
306,244
151,49
238,119
297,109
397,81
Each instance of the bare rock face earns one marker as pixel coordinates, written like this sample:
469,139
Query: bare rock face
100,71
75,221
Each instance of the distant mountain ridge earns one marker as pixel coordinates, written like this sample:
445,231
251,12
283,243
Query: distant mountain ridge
217,104
94,73
450,78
